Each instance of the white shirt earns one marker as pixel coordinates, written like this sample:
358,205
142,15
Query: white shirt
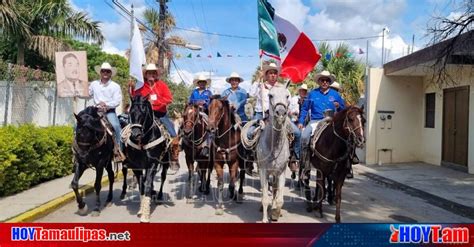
294,107
263,102
110,93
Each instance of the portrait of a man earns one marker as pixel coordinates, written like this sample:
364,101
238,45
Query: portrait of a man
71,74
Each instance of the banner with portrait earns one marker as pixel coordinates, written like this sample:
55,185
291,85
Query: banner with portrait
71,74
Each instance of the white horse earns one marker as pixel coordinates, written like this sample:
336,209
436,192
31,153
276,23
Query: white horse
273,151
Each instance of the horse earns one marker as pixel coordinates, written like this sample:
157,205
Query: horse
93,148
331,156
194,133
273,151
146,147
224,133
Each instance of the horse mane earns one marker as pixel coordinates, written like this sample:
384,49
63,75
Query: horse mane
90,110
225,102
339,116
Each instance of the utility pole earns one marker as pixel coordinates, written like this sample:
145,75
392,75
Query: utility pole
161,39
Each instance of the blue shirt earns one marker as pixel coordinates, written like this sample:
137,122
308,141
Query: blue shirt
238,99
205,96
317,102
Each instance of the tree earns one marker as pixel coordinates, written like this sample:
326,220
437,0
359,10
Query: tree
152,47
49,23
449,30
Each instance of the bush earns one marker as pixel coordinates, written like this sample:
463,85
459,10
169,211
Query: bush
31,155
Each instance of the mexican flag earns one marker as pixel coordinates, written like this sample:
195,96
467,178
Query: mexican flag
297,51
267,34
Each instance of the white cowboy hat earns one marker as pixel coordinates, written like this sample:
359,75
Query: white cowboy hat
105,66
271,66
234,75
325,73
201,77
336,86
303,86
151,67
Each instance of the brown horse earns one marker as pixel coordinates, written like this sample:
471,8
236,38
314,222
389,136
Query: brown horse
194,134
225,136
331,156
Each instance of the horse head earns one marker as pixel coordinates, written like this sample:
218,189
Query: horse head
353,121
219,112
141,117
88,125
278,103
190,118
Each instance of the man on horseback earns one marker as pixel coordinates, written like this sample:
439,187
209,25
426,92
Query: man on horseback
236,96
320,102
201,96
260,91
107,96
159,96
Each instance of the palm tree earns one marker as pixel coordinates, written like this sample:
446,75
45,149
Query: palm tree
49,23
156,53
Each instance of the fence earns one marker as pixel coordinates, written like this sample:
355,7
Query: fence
36,102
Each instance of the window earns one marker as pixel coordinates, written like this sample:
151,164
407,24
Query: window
430,100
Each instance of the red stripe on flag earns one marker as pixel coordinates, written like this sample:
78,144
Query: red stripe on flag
301,59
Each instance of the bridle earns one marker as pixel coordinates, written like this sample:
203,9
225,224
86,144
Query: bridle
217,124
224,151
188,136
285,107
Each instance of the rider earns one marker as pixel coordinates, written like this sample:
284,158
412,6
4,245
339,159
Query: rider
319,101
297,101
236,95
201,96
107,95
260,91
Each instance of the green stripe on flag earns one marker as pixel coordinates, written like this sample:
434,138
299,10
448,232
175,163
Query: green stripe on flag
267,34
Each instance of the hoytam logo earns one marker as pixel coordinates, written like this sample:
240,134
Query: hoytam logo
429,234
74,234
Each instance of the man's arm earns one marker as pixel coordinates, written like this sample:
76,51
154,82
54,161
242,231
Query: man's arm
164,96
304,109
116,98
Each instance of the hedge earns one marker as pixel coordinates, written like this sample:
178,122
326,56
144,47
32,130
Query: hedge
31,155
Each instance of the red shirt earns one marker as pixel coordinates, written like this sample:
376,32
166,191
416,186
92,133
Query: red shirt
159,95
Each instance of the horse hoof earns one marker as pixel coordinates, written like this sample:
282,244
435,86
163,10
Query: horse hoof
122,196
82,211
239,198
108,204
189,200
264,221
275,215
144,219
219,211
95,213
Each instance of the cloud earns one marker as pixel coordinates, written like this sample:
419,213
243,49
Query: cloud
292,10
108,47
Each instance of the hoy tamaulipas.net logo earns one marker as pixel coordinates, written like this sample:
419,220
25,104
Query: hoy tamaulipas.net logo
428,234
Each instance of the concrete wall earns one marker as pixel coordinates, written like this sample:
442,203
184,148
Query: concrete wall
400,136
408,139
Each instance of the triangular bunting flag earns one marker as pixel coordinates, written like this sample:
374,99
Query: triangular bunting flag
198,55
189,55
218,54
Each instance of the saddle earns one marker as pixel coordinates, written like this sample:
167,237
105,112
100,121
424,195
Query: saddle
318,130
118,155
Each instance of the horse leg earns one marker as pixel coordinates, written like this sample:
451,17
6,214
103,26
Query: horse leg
208,181
111,175
163,179
234,168
338,186
300,182
146,199
79,170
330,191
278,200
190,184
265,198
141,187
124,186
319,197
240,195
220,189
99,171
307,191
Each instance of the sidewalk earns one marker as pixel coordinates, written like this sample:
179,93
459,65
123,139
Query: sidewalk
32,198
441,186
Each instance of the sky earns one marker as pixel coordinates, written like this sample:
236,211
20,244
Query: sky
319,19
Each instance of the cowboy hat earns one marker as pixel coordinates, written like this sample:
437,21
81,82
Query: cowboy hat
151,67
336,86
234,75
303,86
201,77
326,74
271,66
105,66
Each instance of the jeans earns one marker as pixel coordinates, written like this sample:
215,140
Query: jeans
306,138
113,119
166,121
297,141
257,116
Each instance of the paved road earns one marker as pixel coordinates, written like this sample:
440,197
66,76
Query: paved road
364,200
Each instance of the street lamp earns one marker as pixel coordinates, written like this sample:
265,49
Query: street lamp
193,47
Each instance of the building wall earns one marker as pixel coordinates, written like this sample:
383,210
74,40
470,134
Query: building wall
400,136
408,138
432,137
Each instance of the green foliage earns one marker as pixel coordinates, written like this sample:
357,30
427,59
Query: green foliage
181,93
31,155
20,73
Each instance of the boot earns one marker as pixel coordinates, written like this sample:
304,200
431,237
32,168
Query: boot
118,155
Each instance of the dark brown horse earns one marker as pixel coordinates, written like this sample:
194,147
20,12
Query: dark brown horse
331,156
225,135
193,135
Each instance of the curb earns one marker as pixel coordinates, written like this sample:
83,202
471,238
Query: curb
451,206
50,206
